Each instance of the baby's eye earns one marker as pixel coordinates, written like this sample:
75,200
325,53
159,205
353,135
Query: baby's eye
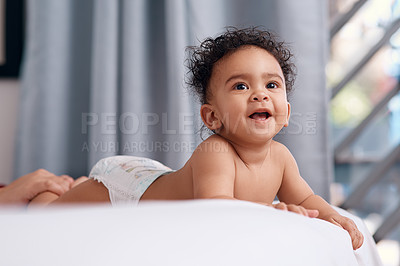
272,85
241,87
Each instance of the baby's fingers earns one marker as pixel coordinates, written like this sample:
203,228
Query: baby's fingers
357,243
303,211
357,238
280,206
296,209
312,213
307,212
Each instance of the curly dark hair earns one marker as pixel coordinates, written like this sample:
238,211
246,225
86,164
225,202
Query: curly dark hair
201,59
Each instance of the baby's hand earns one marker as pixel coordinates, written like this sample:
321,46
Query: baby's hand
347,224
297,209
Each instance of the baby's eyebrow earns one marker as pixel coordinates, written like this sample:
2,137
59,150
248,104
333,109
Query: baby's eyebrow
245,75
274,75
237,76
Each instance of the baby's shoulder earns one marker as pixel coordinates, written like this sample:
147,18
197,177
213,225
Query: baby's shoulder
214,149
215,144
279,149
213,158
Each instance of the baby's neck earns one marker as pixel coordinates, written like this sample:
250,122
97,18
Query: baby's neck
252,155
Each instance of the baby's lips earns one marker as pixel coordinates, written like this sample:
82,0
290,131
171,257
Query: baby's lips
260,116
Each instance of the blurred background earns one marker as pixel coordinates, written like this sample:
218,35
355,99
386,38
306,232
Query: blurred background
83,80
363,73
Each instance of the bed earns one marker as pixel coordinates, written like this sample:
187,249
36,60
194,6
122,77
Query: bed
197,232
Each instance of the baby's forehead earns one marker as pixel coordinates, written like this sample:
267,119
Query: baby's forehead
242,58
243,52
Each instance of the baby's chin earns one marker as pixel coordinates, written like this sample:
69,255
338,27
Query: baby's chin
262,129
249,137
262,136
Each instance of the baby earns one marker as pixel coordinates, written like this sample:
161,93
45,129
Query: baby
242,79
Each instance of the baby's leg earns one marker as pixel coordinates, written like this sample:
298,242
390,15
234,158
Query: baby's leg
90,191
118,179
43,199
82,191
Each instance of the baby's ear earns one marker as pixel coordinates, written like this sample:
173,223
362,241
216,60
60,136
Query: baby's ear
288,115
209,118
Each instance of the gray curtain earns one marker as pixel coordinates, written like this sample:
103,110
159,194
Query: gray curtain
104,77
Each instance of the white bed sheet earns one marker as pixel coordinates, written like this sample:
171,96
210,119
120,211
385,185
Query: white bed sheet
201,232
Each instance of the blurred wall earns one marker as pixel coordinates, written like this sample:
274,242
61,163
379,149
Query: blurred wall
9,93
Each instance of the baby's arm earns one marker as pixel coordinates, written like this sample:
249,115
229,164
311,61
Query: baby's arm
213,170
296,191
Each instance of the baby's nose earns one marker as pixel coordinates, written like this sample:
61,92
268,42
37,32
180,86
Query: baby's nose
260,96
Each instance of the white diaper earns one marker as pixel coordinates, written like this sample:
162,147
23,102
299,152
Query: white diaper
127,177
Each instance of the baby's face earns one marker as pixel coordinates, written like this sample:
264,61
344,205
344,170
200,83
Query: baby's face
248,95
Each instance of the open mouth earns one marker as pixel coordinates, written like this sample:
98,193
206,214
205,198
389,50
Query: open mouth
260,116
